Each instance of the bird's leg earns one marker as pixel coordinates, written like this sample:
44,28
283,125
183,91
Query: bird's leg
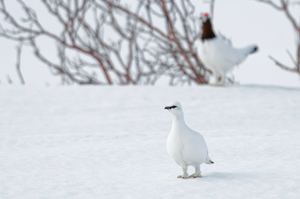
218,79
231,79
197,173
221,80
185,174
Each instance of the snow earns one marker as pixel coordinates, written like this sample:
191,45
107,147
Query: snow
110,142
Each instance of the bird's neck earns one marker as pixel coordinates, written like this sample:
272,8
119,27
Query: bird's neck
207,31
178,122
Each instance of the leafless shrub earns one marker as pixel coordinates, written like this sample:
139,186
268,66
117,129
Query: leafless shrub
109,42
284,7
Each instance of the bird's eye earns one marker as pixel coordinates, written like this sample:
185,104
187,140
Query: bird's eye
173,106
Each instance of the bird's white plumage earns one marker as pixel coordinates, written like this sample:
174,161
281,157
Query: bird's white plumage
220,56
186,146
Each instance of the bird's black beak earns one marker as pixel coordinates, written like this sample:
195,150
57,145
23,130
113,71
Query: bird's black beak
170,107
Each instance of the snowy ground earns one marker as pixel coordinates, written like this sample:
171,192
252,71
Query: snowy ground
109,142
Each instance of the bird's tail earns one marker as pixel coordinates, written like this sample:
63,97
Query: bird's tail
209,161
250,49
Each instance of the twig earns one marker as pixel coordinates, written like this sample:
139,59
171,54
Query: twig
18,62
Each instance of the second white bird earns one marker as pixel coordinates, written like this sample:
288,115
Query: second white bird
217,52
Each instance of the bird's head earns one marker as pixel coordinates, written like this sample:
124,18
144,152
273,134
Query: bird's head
204,16
175,109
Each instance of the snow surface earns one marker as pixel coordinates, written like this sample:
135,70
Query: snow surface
109,142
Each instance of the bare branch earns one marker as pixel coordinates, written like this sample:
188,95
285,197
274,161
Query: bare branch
284,7
109,42
281,65
18,63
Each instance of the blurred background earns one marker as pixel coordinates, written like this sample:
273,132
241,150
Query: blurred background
130,42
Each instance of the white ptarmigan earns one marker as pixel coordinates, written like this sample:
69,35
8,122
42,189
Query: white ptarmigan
217,52
186,146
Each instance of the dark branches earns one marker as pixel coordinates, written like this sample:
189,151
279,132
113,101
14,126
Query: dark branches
108,42
284,6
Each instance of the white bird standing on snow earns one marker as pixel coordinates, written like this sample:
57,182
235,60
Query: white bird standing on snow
217,52
185,146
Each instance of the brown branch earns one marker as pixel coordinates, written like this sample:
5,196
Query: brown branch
140,52
173,38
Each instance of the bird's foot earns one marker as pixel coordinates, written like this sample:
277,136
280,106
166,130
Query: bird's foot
183,176
195,175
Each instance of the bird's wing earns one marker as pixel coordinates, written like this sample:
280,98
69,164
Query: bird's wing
236,55
194,147
225,39
220,56
230,55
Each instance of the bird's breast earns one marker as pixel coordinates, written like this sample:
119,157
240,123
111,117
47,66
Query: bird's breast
174,147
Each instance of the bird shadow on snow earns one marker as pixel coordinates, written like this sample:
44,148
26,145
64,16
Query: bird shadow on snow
228,176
